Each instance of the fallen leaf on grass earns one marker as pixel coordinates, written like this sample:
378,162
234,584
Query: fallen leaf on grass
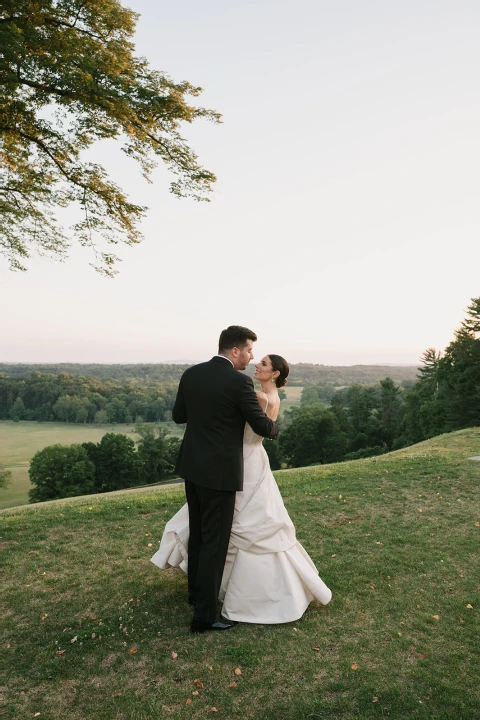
44,616
233,684
74,639
372,587
477,524
436,617
195,693
36,714
198,683
469,607
375,699
462,621
419,509
209,667
189,701
213,709
354,666
422,656
174,655
317,649
60,652
238,671
399,634
362,617
149,545
133,651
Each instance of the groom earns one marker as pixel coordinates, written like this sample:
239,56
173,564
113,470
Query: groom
215,401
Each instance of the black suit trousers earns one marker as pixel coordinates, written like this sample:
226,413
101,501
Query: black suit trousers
210,514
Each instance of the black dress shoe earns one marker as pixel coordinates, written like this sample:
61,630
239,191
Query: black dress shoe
198,626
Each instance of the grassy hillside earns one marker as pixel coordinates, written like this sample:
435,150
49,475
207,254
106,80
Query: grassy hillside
93,629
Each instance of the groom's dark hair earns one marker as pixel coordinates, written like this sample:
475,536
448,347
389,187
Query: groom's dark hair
235,336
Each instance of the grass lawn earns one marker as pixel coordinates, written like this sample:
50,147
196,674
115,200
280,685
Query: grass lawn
93,630
19,441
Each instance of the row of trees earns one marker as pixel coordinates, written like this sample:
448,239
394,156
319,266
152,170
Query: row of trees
361,420
115,463
365,420
301,374
77,399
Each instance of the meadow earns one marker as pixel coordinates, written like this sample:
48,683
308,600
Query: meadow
93,629
19,441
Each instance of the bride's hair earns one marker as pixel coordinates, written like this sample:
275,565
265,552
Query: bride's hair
279,363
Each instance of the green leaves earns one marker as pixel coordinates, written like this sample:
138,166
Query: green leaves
68,78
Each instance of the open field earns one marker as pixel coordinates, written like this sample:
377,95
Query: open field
92,629
294,395
19,441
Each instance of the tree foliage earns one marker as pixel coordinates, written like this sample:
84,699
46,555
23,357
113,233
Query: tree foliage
61,471
157,453
116,461
67,398
69,78
311,435
5,476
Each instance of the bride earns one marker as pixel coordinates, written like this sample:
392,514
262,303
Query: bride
268,576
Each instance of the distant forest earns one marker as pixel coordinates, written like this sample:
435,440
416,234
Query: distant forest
301,374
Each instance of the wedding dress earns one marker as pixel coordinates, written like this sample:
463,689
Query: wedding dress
268,576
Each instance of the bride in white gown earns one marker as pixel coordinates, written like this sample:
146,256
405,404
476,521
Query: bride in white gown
268,576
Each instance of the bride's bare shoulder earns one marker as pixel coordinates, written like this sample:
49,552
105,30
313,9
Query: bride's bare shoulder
262,399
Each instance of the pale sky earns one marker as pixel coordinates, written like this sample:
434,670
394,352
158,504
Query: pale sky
345,223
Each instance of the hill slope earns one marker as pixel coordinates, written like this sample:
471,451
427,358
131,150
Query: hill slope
91,625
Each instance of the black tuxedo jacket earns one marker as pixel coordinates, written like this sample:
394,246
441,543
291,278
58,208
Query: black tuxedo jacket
215,401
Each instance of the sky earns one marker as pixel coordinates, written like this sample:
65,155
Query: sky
344,227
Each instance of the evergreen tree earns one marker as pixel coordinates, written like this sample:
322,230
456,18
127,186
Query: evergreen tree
390,411
460,373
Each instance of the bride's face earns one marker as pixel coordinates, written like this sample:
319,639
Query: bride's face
264,371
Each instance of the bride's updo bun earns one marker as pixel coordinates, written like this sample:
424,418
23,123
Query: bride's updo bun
279,364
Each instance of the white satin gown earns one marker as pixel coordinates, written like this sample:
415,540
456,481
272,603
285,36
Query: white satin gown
268,576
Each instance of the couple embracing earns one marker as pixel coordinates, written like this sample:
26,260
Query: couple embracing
234,537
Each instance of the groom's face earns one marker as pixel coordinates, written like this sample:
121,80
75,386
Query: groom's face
243,356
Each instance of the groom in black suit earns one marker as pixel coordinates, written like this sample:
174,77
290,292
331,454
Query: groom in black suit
215,400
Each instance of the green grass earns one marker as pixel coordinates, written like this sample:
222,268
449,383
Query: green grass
395,537
19,441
